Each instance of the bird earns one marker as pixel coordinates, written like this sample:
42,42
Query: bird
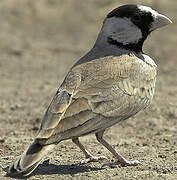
112,82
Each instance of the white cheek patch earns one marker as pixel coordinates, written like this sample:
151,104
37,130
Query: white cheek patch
123,30
148,9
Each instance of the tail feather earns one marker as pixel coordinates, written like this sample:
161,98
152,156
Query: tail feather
30,159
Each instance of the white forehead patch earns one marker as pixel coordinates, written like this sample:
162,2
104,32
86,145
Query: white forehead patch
148,9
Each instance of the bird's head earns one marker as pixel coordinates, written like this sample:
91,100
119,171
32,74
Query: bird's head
129,25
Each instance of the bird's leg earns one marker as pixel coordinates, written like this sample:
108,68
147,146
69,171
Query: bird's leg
120,160
88,157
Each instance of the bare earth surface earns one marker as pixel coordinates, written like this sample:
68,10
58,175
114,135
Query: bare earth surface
39,41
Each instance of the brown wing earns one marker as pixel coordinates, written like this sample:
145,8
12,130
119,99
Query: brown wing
59,105
128,73
92,83
119,85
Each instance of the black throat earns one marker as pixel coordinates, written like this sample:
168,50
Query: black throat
136,47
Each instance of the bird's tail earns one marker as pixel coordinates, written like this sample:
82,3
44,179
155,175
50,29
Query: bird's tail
30,159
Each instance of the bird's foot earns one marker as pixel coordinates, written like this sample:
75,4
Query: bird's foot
93,159
122,163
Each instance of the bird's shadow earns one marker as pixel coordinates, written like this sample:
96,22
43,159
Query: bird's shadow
49,169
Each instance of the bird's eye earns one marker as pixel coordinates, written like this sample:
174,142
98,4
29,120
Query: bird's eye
136,18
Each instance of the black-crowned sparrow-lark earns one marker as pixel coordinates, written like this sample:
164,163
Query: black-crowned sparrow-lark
111,83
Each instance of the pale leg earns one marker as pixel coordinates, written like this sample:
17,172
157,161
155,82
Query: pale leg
120,160
89,157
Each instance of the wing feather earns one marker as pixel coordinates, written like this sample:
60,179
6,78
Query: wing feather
91,88
58,106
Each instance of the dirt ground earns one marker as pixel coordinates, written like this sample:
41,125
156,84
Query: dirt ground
39,41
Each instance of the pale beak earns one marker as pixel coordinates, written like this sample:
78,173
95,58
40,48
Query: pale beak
160,21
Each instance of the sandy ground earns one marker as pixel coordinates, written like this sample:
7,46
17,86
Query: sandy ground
39,42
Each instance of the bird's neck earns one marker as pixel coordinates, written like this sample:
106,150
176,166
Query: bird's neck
136,47
105,41
120,33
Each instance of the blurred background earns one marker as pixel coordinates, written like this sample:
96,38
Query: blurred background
39,42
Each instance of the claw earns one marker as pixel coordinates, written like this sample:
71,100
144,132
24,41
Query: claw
122,163
94,159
